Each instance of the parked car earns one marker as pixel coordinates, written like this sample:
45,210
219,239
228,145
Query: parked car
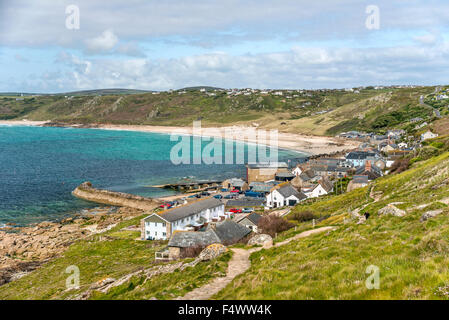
218,196
205,193
229,196
235,191
167,204
247,210
194,196
224,190
235,210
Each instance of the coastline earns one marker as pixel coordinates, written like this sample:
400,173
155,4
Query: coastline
306,144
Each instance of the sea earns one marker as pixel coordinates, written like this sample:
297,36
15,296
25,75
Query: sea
40,166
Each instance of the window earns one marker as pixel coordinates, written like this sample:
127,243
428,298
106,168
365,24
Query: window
164,224
155,233
164,234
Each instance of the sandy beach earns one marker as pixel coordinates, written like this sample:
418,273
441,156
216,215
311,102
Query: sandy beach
312,145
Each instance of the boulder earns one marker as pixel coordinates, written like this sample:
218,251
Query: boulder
261,239
430,214
212,251
391,210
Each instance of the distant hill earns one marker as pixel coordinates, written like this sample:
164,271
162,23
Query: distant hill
79,93
318,112
208,88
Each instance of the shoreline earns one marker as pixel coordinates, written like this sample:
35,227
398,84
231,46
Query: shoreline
301,143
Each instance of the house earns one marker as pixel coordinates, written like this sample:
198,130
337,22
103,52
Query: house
389,147
160,226
357,182
297,171
260,187
369,170
402,145
285,195
262,172
284,176
235,183
226,232
181,241
323,188
245,202
358,158
428,135
251,221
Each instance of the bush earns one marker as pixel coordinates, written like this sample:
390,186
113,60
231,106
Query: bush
274,224
400,165
303,216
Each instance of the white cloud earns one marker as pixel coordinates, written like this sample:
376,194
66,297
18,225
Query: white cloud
298,68
103,43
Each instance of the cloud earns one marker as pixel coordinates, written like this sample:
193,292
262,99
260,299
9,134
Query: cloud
300,67
103,43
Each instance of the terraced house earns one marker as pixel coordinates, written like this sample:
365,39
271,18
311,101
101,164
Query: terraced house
189,217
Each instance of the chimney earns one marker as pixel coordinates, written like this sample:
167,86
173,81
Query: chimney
368,165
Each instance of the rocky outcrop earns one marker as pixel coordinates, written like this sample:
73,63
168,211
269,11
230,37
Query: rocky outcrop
212,251
430,214
391,209
22,249
85,191
261,239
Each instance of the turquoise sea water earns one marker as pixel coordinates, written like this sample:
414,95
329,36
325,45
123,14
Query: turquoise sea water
39,167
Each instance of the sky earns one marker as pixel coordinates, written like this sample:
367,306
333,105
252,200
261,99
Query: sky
49,46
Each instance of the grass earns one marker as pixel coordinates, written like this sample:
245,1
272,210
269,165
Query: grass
412,256
112,254
170,285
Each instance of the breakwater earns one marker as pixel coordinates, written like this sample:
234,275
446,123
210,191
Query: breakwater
85,191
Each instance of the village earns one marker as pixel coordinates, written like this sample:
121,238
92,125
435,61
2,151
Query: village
226,212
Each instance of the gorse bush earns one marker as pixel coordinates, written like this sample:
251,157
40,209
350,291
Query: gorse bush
303,216
400,165
274,224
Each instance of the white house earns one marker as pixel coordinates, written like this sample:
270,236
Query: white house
297,171
402,145
321,189
284,196
428,135
187,217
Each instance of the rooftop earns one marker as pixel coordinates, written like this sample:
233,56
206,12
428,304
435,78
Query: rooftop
267,165
190,209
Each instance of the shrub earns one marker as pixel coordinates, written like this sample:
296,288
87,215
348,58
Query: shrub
274,224
400,165
303,216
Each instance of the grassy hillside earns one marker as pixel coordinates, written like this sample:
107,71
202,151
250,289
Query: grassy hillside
316,112
412,255
113,254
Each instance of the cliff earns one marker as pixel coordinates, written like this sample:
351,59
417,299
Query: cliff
85,191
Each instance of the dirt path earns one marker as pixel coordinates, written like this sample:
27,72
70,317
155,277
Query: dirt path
238,264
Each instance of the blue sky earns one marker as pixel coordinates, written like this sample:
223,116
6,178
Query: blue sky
170,44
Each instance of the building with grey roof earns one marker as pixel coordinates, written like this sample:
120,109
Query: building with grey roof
284,196
192,216
246,202
251,221
226,232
